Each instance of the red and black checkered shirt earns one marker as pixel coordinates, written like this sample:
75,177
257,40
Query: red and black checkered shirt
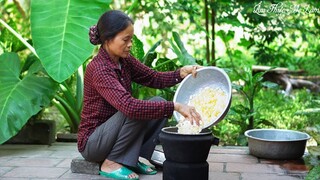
107,89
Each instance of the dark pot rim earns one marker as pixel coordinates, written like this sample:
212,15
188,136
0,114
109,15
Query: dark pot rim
174,131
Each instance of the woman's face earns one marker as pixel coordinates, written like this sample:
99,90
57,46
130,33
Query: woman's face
121,44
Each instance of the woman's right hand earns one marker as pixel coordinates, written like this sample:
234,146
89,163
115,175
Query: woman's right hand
189,112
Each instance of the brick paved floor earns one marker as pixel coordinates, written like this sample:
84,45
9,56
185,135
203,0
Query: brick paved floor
19,162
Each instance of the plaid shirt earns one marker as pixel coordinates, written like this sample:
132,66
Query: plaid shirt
107,89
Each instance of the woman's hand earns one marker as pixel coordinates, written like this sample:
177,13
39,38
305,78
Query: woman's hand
188,112
189,70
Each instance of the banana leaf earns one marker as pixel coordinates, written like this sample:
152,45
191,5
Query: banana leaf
59,31
178,48
21,97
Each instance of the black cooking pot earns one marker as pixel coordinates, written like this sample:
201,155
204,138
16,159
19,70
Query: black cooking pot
185,171
185,148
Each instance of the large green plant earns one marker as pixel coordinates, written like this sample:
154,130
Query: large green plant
25,87
60,40
245,112
64,47
22,93
60,33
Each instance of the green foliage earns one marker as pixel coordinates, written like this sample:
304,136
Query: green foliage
287,108
312,111
274,40
178,48
139,91
137,48
164,17
15,15
69,101
252,84
243,114
21,95
160,64
276,108
10,42
314,173
60,33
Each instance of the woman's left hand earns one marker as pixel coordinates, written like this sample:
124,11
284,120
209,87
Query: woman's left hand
189,70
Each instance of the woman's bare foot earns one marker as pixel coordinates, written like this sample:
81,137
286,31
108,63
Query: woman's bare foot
109,166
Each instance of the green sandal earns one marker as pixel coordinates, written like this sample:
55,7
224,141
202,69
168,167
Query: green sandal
121,174
144,169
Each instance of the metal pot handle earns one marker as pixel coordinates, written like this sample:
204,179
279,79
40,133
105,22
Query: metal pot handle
215,141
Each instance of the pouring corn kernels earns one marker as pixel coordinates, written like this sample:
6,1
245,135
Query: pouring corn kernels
209,103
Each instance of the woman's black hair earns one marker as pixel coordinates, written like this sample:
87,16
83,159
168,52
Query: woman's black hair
111,23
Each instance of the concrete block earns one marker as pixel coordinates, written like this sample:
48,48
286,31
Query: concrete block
67,137
36,132
79,165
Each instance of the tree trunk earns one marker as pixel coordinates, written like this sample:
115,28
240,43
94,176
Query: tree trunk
213,15
207,31
251,116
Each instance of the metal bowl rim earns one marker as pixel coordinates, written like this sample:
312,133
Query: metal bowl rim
229,89
279,130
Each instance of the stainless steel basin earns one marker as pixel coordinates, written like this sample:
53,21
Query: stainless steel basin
277,143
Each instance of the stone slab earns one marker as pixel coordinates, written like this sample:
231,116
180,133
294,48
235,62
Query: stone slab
224,176
253,168
78,176
35,172
31,162
216,167
254,176
237,158
79,165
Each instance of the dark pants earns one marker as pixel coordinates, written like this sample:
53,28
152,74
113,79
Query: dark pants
123,140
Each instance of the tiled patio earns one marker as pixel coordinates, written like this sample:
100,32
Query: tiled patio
19,162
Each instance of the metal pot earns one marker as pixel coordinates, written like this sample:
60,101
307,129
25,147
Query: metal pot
212,77
277,143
